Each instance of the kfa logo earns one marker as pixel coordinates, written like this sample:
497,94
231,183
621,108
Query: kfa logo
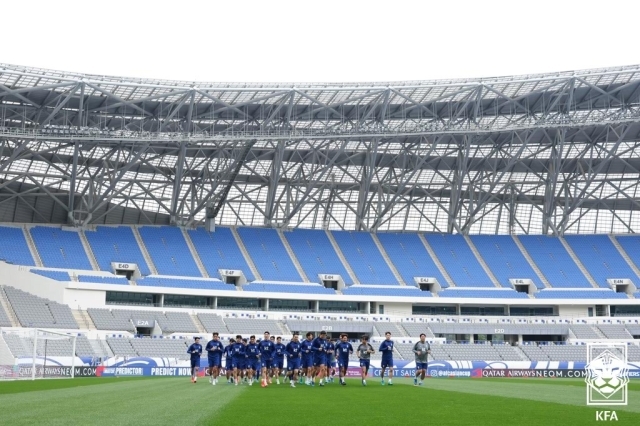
606,416
607,374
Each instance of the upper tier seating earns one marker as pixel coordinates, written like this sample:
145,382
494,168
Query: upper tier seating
60,249
169,251
315,254
54,275
116,245
631,246
14,248
365,259
288,288
410,257
269,254
219,250
498,293
579,294
504,258
400,291
459,261
33,311
601,258
202,284
554,261
103,279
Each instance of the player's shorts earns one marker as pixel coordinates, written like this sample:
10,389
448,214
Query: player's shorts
365,363
386,363
228,364
307,362
253,364
267,363
333,363
422,365
343,362
278,363
195,362
215,361
237,363
319,360
293,364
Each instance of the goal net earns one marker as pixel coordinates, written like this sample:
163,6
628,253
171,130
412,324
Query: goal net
37,354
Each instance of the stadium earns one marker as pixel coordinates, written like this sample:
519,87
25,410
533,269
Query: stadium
497,216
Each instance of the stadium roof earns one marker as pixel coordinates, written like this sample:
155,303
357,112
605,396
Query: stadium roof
550,153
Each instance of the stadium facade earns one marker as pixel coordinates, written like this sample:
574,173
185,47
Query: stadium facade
321,205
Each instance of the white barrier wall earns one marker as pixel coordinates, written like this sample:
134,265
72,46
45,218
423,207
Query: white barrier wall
83,299
19,277
574,310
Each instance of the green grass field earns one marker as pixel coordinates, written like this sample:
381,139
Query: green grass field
175,401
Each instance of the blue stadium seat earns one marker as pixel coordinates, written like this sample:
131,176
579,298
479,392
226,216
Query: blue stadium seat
288,288
169,251
155,281
316,254
498,293
554,261
503,256
459,261
97,279
269,255
116,244
601,258
580,294
54,275
397,291
631,246
14,248
219,250
410,257
60,249
636,295
365,259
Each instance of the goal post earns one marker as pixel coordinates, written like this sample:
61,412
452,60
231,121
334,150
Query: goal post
44,337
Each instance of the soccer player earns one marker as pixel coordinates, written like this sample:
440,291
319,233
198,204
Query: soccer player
278,358
331,360
364,354
195,350
214,355
386,347
343,350
243,362
272,371
421,349
307,358
294,354
319,349
228,364
237,357
252,352
267,347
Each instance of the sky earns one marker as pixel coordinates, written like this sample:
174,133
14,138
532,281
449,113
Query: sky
318,41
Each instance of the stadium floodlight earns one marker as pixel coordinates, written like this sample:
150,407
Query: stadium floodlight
52,354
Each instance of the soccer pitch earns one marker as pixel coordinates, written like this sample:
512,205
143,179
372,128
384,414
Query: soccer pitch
176,401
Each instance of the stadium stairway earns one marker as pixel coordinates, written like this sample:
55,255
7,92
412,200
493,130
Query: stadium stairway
8,309
624,255
245,253
578,263
83,319
481,261
145,253
198,324
435,259
533,265
293,257
194,254
343,259
387,259
32,246
87,248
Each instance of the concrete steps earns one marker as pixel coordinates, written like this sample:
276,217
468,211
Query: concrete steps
83,319
8,309
89,251
293,257
32,247
533,265
197,323
143,249
387,259
343,259
194,253
245,253
480,260
579,263
435,259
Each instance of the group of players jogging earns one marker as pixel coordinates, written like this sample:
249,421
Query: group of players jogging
307,360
